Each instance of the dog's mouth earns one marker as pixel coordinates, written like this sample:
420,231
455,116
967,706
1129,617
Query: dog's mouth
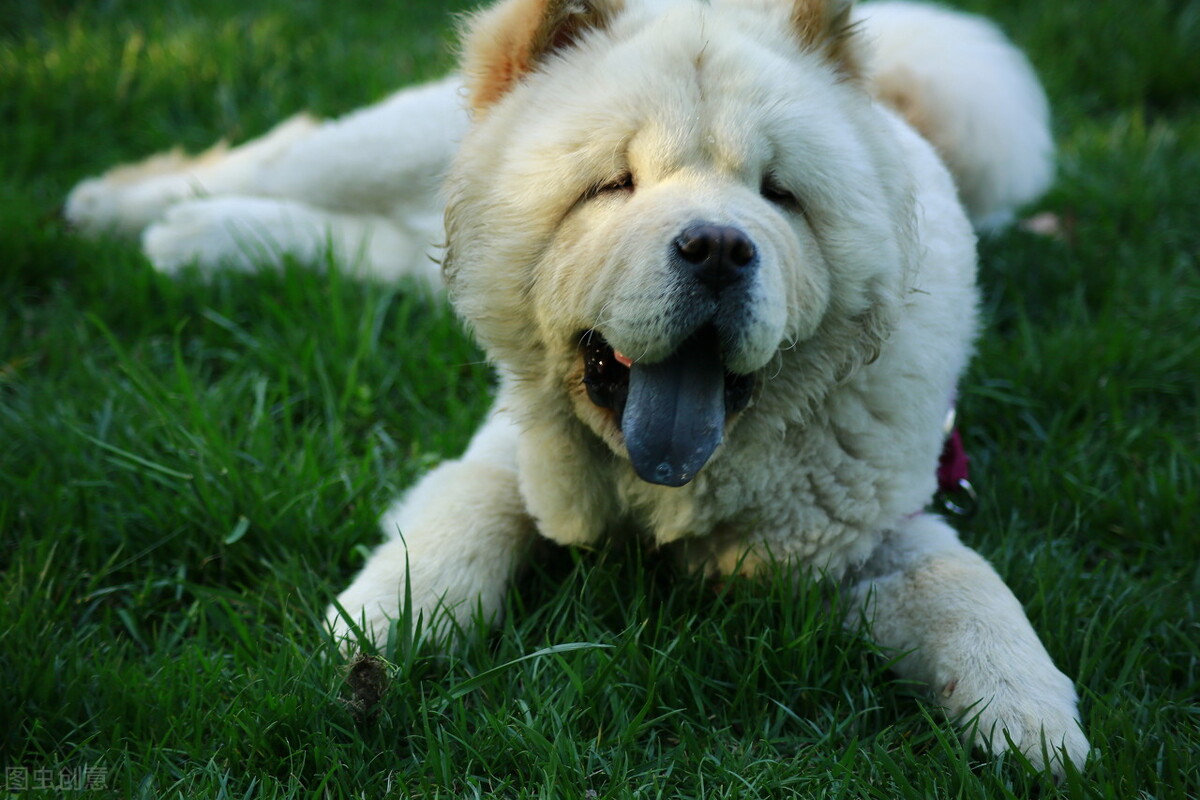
672,412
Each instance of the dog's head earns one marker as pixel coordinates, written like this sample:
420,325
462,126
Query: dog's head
662,206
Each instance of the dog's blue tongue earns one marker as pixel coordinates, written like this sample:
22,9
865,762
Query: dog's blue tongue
674,417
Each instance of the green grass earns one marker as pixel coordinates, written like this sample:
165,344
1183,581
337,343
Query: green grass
190,469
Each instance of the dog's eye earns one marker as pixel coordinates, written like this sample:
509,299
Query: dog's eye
773,191
622,183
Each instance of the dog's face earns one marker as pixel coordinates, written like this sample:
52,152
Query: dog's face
654,204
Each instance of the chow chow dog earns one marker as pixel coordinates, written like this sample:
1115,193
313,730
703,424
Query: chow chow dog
722,256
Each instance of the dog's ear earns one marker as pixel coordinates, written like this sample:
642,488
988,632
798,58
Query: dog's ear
507,40
826,27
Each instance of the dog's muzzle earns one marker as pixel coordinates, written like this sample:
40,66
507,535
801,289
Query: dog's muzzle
672,412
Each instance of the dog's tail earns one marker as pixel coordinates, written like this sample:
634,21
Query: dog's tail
970,92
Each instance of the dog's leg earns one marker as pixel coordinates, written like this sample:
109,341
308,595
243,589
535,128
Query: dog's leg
250,233
128,198
960,630
457,538
388,158
385,160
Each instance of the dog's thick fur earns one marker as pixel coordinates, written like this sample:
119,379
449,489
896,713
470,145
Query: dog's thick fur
765,177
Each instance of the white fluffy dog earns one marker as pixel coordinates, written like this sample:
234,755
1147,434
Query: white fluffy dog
728,283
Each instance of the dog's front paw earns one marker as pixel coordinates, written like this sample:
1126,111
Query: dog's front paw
353,623
1035,713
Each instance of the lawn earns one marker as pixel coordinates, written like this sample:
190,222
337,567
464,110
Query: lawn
190,469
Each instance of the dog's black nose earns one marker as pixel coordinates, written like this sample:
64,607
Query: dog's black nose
718,255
